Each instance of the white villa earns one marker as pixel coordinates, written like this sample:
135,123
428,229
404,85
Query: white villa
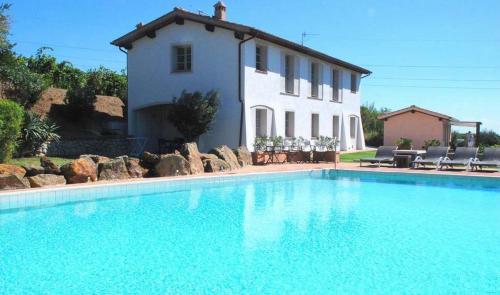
269,86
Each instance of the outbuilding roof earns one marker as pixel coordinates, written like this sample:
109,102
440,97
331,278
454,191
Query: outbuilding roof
414,108
179,15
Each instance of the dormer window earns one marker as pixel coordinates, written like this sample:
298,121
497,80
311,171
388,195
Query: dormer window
261,58
182,59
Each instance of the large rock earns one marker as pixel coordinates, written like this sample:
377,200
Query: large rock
192,154
42,180
49,166
243,155
97,159
216,165
32,170
208,157
172,165
7,169
226,154
113,169
134,168
80,170
149,160
11,181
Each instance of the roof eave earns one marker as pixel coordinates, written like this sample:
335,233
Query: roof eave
127,39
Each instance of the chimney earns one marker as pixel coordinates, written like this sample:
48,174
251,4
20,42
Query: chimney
220,11
139,25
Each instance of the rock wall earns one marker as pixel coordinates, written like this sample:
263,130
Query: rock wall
110,147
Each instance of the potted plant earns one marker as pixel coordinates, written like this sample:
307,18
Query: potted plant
323,145
404,144
280,156
305,149
260,156
294,152
331,154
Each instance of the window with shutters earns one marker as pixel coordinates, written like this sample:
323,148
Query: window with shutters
182,60
314,79
261,58
335,85
315,126
260,122
289,124
336,127
354,83
289,74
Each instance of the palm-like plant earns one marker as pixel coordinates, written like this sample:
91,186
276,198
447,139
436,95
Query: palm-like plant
37,132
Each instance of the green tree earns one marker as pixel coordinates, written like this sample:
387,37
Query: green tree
11,120
80,99
193,113
107,82
372,126
6,55
21,84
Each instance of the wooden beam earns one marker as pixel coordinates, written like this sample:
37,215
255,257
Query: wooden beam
239,35
128,46
151,34
179,20
209,27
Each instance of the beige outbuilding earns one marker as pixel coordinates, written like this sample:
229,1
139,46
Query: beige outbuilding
420,125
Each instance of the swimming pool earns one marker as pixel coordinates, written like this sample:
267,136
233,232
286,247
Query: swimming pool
313,232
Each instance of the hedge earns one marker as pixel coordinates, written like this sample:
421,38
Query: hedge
11,120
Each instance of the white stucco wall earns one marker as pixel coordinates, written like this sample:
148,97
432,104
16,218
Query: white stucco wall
265,89
214,66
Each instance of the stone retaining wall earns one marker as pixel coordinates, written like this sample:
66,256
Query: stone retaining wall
109,147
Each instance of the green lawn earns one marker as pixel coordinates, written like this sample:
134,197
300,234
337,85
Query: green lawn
36,161
354,157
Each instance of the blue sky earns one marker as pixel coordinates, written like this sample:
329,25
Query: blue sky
442,55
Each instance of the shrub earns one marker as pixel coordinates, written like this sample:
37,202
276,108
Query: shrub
431,142
404,143
11,119
22,85
37,133
80,100
193,113
489,138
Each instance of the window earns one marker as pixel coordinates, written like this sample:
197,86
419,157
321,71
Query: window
260,122
182,58
315,126
336,127
335,85
289,74
289,124
314,79
354,83
261,58
352,129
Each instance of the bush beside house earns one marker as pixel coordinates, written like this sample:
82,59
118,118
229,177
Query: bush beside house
11,120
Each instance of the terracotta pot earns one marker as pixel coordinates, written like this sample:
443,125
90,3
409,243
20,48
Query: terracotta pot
330,156
318,156
280,157
260,158
295,157
306,156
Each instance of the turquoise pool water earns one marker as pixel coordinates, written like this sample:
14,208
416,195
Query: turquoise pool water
295,233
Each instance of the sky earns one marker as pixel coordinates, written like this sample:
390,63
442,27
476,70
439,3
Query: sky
437,54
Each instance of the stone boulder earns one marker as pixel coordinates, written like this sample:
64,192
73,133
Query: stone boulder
243,155
80,170
208,157
96,158
42,180
192,154
226,154
216,165
172,165
11,182
49,166
32,170
113,169
134,168
149,160
7,169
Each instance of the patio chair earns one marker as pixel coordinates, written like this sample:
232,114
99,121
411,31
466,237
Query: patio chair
433,156
491,158
384,155
464,156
